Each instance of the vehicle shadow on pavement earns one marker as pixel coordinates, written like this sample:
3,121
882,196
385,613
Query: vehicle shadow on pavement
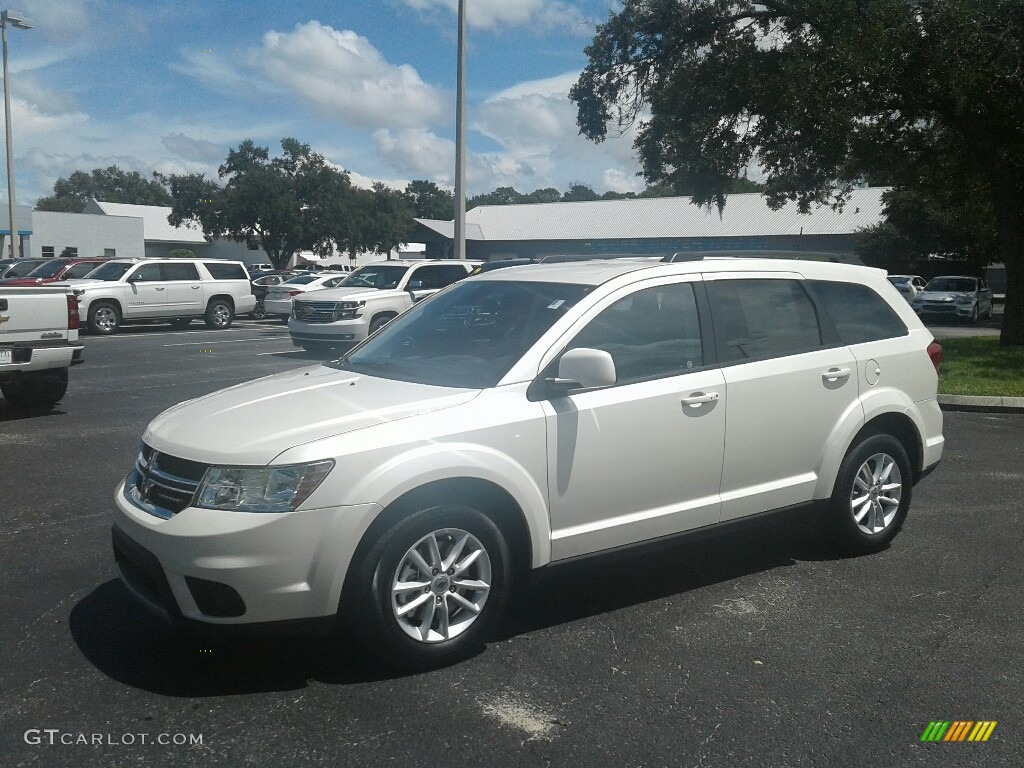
129,645
7,413
126,643
607,583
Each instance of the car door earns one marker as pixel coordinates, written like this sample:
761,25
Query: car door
643,458
184,288
147,294
788,390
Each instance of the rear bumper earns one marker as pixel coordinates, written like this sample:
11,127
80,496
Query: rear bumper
32,357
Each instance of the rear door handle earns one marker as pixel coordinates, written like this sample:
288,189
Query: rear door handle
699,398
835,374
159,287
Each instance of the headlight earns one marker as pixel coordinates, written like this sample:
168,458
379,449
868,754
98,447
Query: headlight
965,300
260,489
346,310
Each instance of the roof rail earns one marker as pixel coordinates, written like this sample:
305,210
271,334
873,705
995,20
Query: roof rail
672,258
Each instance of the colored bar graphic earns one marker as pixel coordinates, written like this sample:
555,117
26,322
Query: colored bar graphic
958,730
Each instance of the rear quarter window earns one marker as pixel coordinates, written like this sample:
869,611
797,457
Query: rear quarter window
225,270
857,312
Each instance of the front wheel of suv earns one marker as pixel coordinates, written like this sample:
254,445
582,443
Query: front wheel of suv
429,589
104,318
872,494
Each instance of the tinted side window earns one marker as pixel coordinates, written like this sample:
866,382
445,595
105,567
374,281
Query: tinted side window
653,332
858,313
147,273
761,319
439,275
80,270
179,271
225,270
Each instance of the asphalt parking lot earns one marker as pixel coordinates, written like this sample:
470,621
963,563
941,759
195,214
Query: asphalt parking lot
757,650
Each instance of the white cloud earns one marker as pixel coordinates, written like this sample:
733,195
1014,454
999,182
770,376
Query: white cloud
535,124
492,14
189,148
418,152
343,76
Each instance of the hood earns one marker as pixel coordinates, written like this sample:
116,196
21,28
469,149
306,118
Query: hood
944,295
352,294
252,423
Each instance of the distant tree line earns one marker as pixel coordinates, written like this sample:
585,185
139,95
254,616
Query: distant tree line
297,201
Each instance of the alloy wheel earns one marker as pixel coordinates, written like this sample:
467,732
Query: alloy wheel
877,490
441,585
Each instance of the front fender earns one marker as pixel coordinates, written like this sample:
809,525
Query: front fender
450,461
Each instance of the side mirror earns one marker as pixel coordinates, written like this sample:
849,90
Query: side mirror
586,368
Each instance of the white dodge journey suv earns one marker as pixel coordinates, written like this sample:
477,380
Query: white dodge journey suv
526,416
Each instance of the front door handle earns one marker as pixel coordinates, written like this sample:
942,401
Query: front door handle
697,399
195,287
159,287
835,374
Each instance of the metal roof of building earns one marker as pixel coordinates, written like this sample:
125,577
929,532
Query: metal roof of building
745,215
155,227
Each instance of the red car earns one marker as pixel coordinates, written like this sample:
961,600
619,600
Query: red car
54,270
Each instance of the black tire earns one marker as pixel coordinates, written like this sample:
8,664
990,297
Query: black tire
376,624
219,314
379,322
104,318
180,323
28,390
259,312
849,528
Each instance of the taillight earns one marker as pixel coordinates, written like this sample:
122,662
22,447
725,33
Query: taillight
294,293
935,354
72,313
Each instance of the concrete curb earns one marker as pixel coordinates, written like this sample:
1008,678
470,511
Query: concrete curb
981,404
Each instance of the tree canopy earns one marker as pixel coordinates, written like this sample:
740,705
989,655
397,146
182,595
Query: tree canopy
293,202
108,185
925,95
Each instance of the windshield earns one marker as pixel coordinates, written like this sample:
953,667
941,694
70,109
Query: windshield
957,284
468,336
49,269
382,277
22,269
111,271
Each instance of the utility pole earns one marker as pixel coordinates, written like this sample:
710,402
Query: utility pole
17,21
460,140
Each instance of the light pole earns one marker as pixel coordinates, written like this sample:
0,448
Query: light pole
17,21
460,140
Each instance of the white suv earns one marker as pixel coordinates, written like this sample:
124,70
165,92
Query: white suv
368,299
180,290
523,417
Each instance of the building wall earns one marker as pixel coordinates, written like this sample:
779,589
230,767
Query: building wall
218,249
489,250
91,235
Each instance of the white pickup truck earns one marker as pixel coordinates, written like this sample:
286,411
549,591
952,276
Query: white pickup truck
368,299
38,343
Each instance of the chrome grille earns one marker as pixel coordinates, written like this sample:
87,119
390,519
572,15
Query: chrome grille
161,484
316,311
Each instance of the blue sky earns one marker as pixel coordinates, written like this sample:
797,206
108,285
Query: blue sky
153,85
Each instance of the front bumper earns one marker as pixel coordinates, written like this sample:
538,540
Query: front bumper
341,331
242,568
936,309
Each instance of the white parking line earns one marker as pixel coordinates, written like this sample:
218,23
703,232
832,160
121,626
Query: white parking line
230,341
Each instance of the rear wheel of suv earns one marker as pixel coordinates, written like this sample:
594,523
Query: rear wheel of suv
36,389
872,494
104,318
219,314
430,588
